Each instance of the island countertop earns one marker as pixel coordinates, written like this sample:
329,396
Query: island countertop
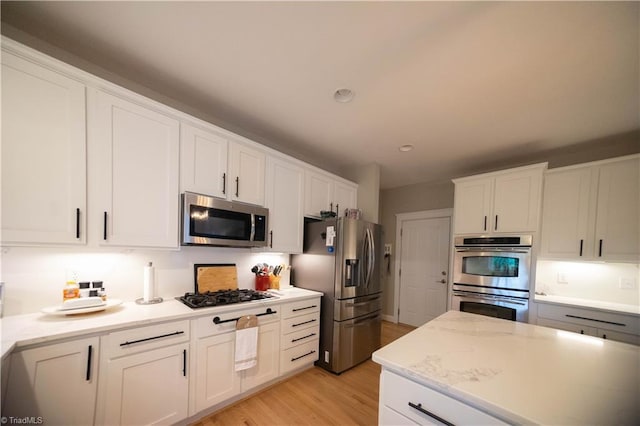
521,373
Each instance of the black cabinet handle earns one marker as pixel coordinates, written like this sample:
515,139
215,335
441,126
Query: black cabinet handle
302,356
485,222
269,311
600,249
331,207
78,223
104,232
127,343
237,185
302,309
184,362
430,414
337,210
271,239
581,244
496,228
595,320
303,337
224,183
303,323
89,357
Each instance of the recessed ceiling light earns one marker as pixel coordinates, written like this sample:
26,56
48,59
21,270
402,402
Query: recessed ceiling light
405,148
343,95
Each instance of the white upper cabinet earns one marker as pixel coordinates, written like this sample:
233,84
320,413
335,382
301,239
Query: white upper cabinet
203,161
135,166
591,211
500,202
247,173
325,192
285,196
43,155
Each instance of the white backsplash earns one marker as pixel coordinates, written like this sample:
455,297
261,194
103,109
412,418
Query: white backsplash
589,280
34,277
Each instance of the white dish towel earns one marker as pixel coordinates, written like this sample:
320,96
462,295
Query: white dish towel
246,348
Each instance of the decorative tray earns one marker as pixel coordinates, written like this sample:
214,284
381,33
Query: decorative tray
57,310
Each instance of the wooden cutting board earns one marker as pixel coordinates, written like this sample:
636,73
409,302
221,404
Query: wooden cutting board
214,277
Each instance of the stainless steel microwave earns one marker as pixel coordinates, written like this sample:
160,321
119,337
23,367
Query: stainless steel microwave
214,222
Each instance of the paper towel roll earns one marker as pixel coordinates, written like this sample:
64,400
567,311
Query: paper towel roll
147,291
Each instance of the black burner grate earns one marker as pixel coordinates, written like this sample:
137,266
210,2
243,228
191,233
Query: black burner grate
221,297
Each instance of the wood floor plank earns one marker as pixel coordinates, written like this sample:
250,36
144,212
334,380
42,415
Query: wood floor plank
314,397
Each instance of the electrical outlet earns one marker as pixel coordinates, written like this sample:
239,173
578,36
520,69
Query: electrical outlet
627,283
562,278
387,249
326,357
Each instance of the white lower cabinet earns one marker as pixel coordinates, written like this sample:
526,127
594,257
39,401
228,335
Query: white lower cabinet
145,376
300,334
403,401
215,375
592,322
56,382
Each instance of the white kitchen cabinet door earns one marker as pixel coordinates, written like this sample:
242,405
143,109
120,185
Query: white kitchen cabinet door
216,378
247,173
203,161
566,214
285,198
150,387
617,231
516,201
43,155
500,202
318,194
345,196
56,382
135,166
268,358
472,204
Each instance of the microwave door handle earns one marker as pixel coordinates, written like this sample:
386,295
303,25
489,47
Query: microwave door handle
253,227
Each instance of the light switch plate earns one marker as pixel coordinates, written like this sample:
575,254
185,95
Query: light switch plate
562,278
387,249
627,283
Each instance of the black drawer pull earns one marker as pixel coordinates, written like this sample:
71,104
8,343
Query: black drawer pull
433,416
151,338
269,311
184,362
596,320
302,309
302,356
89,357
303,337
303,323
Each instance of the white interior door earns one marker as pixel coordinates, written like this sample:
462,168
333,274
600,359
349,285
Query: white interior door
424,265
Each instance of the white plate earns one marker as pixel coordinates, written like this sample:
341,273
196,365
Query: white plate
56,310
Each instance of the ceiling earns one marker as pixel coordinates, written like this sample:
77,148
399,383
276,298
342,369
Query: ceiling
466,83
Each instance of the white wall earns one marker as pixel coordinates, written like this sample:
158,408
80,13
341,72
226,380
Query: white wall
34,277
589,280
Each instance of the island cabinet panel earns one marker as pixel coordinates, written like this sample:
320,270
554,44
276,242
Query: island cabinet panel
499,202
57,382
412,403
43,155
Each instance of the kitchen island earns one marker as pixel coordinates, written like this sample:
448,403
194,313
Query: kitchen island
471,369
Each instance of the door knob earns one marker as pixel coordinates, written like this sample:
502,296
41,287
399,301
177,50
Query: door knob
443,281
444,272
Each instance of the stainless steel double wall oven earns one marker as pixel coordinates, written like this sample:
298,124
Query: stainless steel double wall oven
491,276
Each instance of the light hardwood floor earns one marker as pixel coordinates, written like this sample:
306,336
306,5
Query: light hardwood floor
314,397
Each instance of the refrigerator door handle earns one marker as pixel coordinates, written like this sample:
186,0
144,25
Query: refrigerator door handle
369,255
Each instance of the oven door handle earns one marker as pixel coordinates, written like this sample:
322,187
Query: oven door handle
491,249
489,297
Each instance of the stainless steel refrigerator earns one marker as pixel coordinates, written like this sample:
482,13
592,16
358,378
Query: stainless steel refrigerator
342,259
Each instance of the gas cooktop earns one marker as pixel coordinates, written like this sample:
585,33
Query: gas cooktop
222,297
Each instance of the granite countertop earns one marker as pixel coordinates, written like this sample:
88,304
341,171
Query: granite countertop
35,328
618,308
519,372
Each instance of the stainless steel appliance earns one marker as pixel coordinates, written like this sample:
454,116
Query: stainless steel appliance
491,276
214,222
341,259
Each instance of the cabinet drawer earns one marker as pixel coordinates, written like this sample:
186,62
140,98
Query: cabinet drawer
205,326
386,416
300,308
301,336
300,323
140,339
298,356
398,393
591,318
